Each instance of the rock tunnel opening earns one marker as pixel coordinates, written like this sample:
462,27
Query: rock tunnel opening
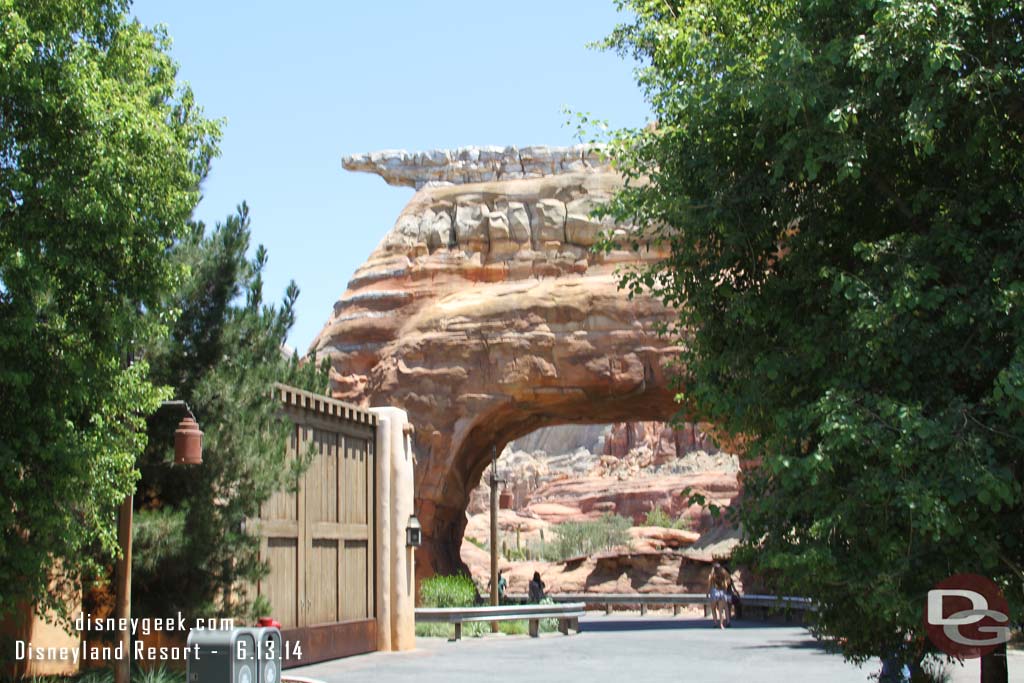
497,427
640,466
594,505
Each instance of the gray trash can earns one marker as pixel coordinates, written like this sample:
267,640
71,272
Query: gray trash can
222,656
268,640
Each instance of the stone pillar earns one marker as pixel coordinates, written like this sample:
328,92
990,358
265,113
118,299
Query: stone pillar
383,529
395,485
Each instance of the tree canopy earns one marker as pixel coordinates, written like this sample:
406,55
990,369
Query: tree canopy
101,156
841,186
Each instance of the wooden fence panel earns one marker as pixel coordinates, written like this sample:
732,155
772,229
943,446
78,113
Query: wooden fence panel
319,537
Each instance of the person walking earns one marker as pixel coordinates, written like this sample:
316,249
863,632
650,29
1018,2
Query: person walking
719,586
536,589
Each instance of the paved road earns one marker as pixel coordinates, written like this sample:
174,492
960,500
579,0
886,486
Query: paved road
620,649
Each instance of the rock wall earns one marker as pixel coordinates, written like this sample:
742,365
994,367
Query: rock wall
484,314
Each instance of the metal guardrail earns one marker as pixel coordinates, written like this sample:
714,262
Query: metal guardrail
568,615
779,602
570,607
676,600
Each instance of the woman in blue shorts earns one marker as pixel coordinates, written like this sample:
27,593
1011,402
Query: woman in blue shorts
719,583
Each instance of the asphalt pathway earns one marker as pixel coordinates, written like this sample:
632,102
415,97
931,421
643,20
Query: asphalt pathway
626,649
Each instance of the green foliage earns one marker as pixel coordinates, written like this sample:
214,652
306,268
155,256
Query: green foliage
475,629
658,516
101,155
159,674
839,189
572,539
222,357
448,591
577,539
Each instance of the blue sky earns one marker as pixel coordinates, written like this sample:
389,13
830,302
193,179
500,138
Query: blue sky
304,84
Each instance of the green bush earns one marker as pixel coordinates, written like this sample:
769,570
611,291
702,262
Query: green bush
448,591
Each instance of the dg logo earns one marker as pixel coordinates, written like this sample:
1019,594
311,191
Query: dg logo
967,616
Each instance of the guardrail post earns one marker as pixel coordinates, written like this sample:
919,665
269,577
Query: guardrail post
607,608
643,609
675,610
458,630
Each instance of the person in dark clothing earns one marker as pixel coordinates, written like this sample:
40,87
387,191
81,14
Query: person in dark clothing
502,587
536,588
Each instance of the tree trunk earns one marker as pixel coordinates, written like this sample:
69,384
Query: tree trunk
993,666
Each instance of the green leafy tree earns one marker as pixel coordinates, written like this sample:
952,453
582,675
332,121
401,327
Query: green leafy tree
101,156
222,357
840,189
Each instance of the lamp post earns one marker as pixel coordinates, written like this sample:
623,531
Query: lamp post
188,450
494,481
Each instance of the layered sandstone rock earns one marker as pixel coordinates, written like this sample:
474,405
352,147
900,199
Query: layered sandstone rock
665,442
634,498
636,570
484,314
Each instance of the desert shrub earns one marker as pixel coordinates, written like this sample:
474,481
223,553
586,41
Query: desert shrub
576,539
659,516
478,543
547,625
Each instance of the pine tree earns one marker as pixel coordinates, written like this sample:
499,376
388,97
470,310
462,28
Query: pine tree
223,356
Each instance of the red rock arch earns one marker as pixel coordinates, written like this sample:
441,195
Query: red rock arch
484,315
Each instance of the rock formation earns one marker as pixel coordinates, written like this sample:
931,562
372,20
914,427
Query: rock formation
485,315
474,164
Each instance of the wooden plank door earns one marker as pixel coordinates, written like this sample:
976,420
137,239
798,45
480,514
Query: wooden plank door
281,546
357,517
323,490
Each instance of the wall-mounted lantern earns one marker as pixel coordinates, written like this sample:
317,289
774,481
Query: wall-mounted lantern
414,533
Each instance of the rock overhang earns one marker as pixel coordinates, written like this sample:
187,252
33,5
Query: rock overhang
486,313
473,164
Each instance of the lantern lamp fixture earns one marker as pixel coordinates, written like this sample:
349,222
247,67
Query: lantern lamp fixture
414,533
188,438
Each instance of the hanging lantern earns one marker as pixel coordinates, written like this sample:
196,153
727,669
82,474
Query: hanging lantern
188,443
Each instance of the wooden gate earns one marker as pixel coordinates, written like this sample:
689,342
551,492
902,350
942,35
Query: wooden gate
319,536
